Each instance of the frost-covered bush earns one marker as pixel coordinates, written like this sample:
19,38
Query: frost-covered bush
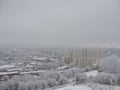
69,73
44,84
25,82
75,71
32,82
55,75
12,85
62,80
110,64
118,78
52,82
47,66
86,69
90,68
5,78
103,87
81,78
3,86
22,86
94,67
105,78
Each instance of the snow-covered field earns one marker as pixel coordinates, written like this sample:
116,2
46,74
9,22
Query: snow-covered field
104,87
70,87
80,87
92,87
91,73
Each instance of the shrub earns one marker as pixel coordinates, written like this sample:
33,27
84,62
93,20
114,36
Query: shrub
52,82
118,78
81,78
105,78
62,80
3,86
5,78
110,64
69,73
12,85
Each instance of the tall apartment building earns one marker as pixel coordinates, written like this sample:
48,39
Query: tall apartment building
84,56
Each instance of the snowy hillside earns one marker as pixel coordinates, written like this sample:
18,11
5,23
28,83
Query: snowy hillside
81,87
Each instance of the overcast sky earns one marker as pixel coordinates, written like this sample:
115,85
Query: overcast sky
60,22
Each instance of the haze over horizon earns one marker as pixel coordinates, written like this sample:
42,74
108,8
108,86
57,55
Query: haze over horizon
60,23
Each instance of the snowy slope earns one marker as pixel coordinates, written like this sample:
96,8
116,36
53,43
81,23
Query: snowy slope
91,73
81,87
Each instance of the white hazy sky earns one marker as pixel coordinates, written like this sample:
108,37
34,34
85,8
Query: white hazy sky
60,22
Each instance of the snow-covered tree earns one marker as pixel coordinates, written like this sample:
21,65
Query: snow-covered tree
3,86
5,78
22,86
110,64
43,84
68,73
12,85
81,78
62,80
52,82
105,78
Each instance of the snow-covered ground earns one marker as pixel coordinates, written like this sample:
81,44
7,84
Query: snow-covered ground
7,66
91,87
80,87
91,73
104,87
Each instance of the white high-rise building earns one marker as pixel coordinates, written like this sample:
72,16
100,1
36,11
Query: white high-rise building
84,56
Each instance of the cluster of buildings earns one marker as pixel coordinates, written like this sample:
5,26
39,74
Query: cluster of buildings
79,57
84,56
26,67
